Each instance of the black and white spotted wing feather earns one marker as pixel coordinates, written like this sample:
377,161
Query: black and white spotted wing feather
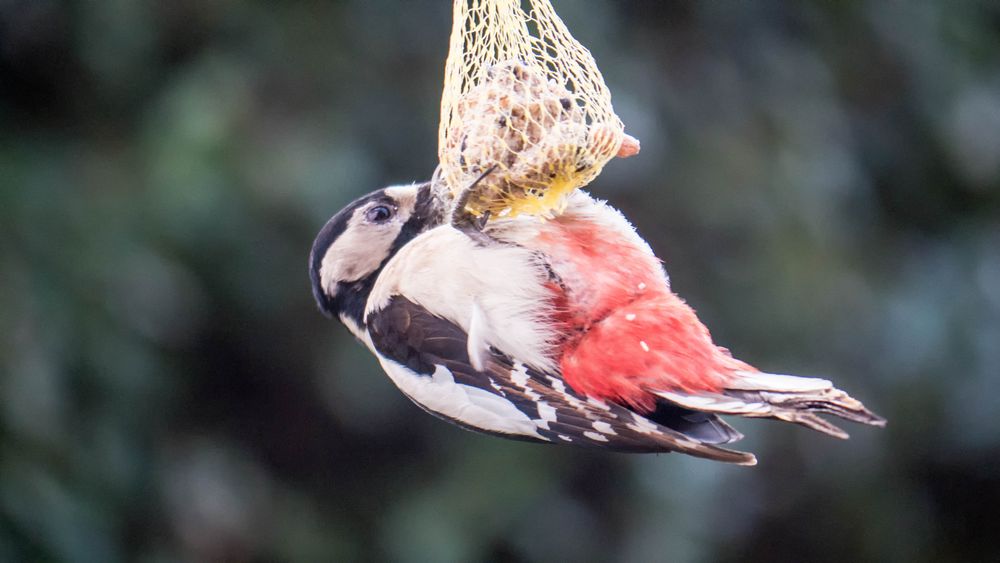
426,354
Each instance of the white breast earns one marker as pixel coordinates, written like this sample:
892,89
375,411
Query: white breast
450,275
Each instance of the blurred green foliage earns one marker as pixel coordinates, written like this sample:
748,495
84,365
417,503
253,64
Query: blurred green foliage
821,178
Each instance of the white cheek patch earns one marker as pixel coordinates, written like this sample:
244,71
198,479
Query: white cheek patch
359,251
349,259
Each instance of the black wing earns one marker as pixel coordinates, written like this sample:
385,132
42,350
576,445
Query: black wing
409,334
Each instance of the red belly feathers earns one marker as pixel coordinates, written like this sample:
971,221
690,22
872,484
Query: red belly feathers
627,333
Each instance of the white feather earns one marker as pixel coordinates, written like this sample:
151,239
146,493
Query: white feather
440,393
447,272
546,414
759,381
713,402
476,342
603,427
642,425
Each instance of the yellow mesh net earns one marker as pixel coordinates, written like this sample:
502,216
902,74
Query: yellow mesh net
525,101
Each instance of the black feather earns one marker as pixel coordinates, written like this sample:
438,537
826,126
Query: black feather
702,426
407,333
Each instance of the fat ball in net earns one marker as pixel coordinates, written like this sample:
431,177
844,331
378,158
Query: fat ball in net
525,102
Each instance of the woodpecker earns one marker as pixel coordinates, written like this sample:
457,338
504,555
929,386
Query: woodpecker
561,330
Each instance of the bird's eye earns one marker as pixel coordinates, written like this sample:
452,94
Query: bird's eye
379,214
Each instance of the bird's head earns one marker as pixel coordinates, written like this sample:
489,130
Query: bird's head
357,242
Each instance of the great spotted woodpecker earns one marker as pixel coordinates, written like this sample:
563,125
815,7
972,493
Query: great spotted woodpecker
562,330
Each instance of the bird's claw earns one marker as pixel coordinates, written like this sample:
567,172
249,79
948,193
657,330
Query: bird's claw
464,219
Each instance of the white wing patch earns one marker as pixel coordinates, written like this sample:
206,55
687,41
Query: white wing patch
642,425
598,403
560,386
604,428
547,414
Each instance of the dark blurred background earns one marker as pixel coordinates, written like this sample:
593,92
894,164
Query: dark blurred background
821,178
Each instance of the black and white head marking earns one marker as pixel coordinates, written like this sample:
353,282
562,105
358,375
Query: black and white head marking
355,244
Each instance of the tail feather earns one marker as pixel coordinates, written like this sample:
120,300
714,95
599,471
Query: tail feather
704,427
784,397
